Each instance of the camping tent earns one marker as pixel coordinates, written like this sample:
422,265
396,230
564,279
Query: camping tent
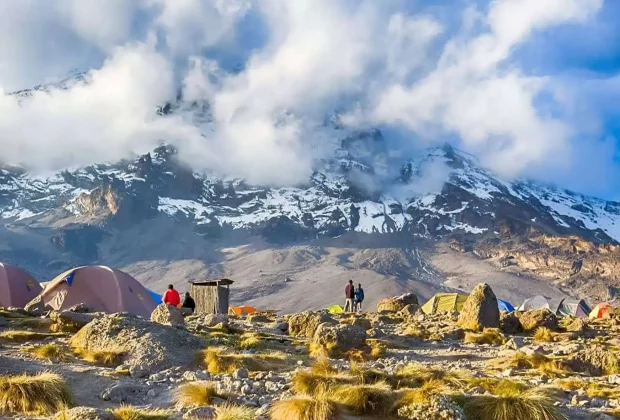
17,287
600,310
335,309
99,288
505,306
569,307
241,310
445,302
540,302
156,296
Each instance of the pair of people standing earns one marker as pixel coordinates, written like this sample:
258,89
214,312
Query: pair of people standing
354,297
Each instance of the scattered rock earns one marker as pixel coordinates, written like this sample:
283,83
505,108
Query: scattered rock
200,413
125,394
595,360
396,304
281,326
358,321
509,323
70,321
409,311
241,374
80,308
577,325
3,322
515,343
480,309
211,320
306,323
438,407
342,337
168,315
84,413
531,320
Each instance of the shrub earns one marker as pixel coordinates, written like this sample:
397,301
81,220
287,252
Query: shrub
42,394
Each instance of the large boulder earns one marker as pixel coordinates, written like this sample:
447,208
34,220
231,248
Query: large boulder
410,311
596,360
343,337
531,320
70,321
395,304
152,347
305,324
509,323
168,315
480,309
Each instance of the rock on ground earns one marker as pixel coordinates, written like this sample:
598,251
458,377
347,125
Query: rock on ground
480,309
168,315
305,324
152,346
84,413
343,336
395,304
532,320
509,323
71,321
596,360
438,407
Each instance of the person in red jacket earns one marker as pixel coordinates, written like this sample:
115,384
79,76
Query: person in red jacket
171,297
349,294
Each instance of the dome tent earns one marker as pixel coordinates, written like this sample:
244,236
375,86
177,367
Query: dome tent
17,287
445,302
504,305
578,308
335,309
540,302
600,310
100,288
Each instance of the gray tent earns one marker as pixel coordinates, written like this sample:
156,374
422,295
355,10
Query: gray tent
540,302
571,307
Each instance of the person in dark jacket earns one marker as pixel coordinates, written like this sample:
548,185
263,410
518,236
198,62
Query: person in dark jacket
188,302
349,294
359,298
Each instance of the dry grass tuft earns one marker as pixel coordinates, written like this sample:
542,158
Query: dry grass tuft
23,336
234,412
500,387
532,404
42,394
491,336
415,375
108,358
413,330
51,352
127,412
251,341
376,399
320,376
195,394
219,361
544,335
420,395
536,361
317,407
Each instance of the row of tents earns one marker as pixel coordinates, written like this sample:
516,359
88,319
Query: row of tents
443,302
100,288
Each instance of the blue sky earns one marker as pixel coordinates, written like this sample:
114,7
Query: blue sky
529,87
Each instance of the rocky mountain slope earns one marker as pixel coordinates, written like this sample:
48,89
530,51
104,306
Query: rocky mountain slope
152,208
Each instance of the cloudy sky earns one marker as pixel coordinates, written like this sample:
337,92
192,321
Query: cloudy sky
528,86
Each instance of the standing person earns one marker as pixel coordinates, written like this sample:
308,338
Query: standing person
171,297
359,298
188,302
349,294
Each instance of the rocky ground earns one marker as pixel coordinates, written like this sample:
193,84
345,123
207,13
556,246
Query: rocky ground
394,363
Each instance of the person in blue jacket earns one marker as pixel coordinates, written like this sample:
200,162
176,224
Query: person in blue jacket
359,298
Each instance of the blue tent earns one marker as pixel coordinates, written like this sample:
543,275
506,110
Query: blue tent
505,306
156,297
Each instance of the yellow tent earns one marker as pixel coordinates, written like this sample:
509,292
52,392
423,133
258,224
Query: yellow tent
335,309
445,302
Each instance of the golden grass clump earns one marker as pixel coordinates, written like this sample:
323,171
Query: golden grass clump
531,404
420,395
195,394
319,376
536,361
415,375
51,352
413,330
491,336
23,336
376,399
128,412
501,387
219,360
544,335
250,341
304,407
42,394
108,358
234,412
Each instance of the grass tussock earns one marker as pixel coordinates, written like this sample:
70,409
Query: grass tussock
415,375
500,387
492,336
376,399
23,336
321,375
420,395
544,335
304,407
43,394
537,361
51,352
592,389
531,404
219,361
195,394
234,412
128,412
108,358
413,330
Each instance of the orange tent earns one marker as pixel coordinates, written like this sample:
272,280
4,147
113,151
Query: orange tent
600,310
241,310
101,289
17,287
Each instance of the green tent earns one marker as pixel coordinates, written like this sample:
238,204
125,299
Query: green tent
335,309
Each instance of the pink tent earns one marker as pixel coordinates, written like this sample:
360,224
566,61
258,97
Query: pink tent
17,287
101,289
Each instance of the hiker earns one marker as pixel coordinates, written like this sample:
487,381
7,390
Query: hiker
349,293
171,297
359,298
188,302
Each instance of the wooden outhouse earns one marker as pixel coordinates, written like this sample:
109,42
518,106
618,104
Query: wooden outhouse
211,296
